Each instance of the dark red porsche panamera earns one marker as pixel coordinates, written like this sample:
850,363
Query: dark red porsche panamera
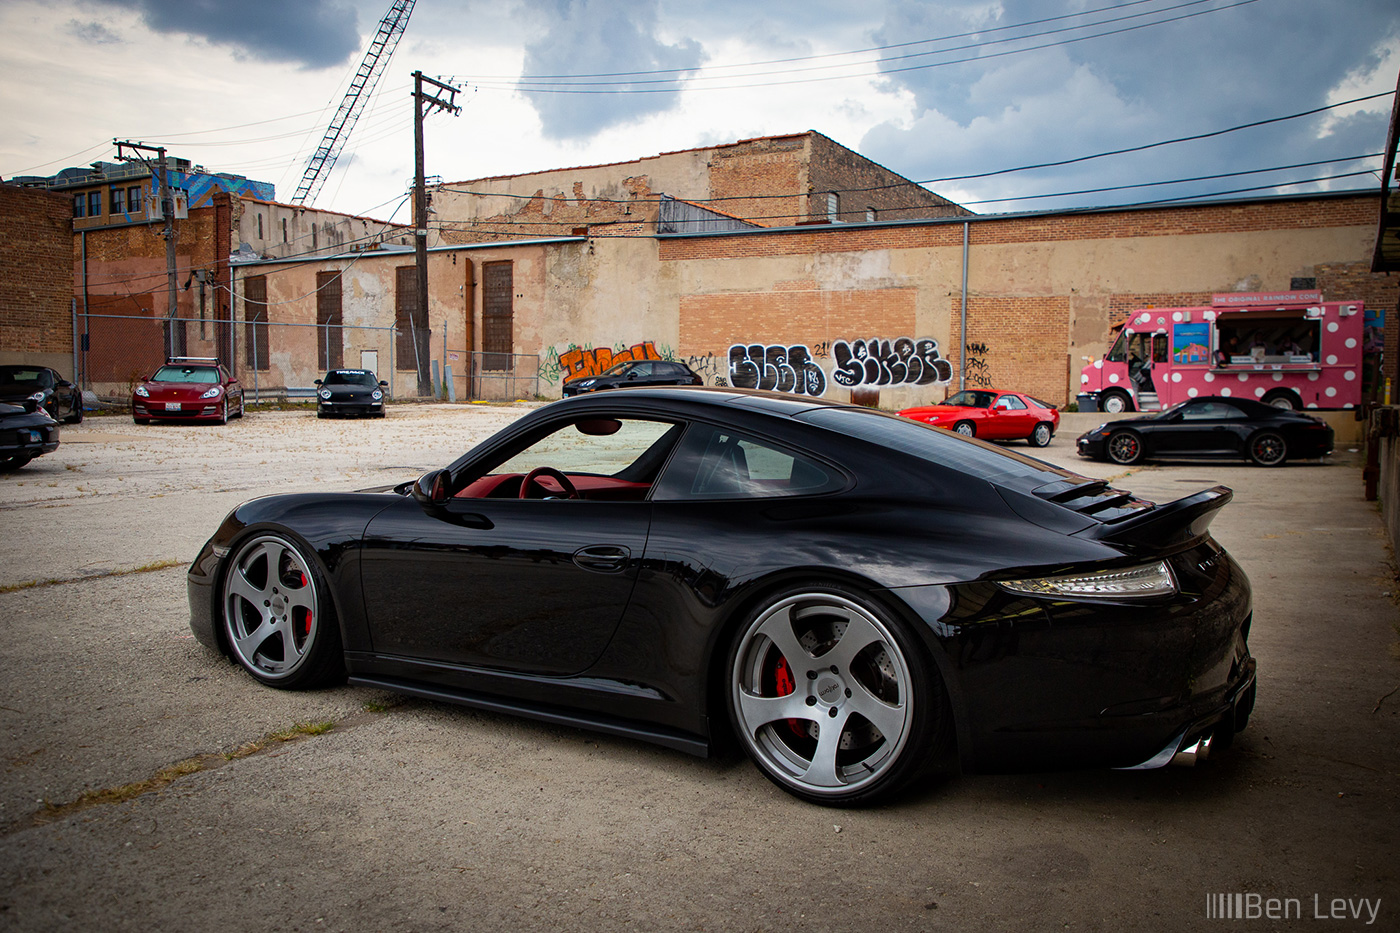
849,592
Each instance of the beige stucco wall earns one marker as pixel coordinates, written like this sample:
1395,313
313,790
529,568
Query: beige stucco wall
1037,304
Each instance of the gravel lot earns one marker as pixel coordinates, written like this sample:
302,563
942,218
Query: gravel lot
406,815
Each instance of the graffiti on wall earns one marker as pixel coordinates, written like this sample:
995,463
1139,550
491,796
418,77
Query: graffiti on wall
707,367
976,372
777,368
574,361
579,362
794,368
901,361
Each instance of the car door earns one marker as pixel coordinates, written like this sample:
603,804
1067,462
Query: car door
1201,427
1010,418
524,585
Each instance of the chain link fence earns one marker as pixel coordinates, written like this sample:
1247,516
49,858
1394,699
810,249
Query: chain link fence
273,360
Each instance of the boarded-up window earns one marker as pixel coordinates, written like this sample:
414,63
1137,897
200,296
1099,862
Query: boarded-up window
255,347
405,304
497,315
330,346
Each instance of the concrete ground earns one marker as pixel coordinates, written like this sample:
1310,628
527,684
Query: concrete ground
149,785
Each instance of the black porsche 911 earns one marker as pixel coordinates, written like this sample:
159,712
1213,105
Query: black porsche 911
26,432
1211,426
350,392
633,373
60,398
855,595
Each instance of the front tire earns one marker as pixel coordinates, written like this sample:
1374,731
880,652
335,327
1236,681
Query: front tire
1115,402
1124,447
276,615
1040,436
831,697
1268,448
966,428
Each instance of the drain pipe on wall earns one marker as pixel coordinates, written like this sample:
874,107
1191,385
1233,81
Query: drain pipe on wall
962,329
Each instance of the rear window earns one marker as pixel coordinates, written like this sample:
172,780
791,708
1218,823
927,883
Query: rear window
935,445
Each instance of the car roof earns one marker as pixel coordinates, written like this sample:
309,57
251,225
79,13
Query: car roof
777,403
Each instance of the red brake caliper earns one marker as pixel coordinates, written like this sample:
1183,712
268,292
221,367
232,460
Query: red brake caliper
304,582
784,684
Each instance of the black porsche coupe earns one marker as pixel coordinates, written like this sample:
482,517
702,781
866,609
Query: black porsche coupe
1211,427
858,597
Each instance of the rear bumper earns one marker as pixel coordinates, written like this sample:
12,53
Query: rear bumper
29,441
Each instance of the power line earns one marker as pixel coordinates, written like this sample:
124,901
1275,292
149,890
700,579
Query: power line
807,58
630,87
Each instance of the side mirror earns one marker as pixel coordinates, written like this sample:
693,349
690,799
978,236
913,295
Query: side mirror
383,383
430,489
233,380
318,382
631,375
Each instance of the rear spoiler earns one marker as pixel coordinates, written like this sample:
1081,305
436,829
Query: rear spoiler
1166,526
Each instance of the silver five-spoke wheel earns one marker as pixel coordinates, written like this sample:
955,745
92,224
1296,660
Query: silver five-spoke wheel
825,699
272,613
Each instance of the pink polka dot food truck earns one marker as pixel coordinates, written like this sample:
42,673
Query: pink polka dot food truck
1290,350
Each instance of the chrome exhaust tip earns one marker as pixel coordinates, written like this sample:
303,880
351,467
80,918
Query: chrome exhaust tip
1197,751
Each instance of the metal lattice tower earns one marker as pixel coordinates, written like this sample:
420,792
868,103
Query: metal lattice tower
377,56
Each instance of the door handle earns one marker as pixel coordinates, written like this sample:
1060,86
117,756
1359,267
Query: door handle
602,558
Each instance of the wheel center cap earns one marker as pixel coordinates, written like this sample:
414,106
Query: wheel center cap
279,605
831,690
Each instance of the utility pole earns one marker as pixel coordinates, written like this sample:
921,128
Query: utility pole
173,346
419,320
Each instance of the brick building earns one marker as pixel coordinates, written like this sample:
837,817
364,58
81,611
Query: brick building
36,286
772,181
1043,292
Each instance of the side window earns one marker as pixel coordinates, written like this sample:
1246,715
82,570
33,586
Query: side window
714,463
1159,348
1119,353
1211,411
1011,403
604,458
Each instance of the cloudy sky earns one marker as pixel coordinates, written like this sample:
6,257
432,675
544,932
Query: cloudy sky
967,96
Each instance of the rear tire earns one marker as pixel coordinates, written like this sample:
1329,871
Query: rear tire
1285,399
1041,434
1124,447
1268,448
832,698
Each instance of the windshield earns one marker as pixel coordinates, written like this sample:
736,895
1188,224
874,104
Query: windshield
971,399
186,374
349,377
23,376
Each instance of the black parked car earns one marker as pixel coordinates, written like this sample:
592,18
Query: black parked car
350,392
850,592
635,373
26,432
56,395
1211,426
